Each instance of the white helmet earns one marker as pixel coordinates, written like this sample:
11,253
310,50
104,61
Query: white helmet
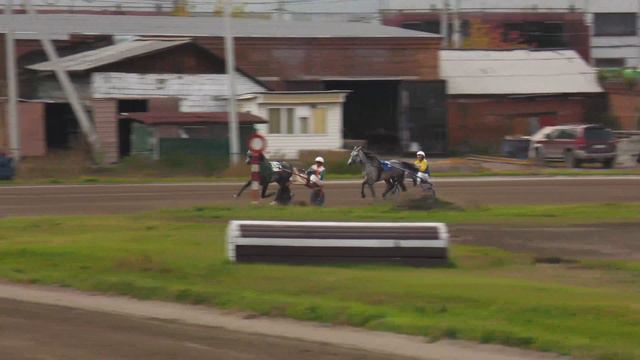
420,153
320,159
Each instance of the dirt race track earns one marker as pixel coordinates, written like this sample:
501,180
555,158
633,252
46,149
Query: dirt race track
66,333
38,322
116,199
600,241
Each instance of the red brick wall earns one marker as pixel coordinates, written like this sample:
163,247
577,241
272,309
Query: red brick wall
625,105
297,58
105,117
576,31
185,59
480,124
33,138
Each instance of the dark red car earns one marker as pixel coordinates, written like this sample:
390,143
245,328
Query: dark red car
574,144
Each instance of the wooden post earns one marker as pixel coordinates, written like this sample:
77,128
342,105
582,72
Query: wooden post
255,176
257,144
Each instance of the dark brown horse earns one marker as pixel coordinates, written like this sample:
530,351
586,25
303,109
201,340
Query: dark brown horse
278,172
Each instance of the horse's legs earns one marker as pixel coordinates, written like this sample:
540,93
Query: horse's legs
373,193
364,182
389,187
401,180
263,194
242,189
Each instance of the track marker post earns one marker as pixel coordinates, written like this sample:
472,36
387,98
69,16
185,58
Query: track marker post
257,144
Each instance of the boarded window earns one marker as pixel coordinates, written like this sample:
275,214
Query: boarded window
304,125
320,121
615,24
274,121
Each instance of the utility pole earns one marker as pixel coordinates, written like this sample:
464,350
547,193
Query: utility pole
229,54
444,24
67,86
457,36
280,10
638,41
12,86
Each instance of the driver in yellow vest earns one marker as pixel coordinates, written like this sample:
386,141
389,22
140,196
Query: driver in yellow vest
422,166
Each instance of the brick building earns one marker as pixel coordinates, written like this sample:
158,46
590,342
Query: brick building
496,93
378,65
145,75
503,29
624,104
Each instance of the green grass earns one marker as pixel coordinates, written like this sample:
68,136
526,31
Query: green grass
590,308
442,212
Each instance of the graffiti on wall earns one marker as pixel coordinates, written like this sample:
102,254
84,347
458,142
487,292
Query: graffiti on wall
482,35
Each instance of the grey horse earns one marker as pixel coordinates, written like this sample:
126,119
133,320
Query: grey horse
374,170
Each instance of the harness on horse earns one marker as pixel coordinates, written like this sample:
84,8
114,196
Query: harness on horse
386,166
276,166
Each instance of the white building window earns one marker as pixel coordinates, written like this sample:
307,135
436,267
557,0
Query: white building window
303,125
289,117
274,121
609,63
615,24
281,120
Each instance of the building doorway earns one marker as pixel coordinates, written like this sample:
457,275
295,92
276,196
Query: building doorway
124,125
62,130
371,112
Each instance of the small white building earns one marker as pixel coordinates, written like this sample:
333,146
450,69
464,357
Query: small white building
298,120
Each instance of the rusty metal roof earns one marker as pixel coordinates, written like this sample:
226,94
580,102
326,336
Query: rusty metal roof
109,54
492,72
197,26
190,118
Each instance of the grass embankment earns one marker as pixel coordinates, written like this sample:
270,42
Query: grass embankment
589,308
73,167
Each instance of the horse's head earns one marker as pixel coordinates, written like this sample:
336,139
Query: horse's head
355,155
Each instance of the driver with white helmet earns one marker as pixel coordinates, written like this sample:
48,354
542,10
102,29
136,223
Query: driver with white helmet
422,166
315,174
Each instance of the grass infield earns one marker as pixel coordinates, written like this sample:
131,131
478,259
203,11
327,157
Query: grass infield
588,309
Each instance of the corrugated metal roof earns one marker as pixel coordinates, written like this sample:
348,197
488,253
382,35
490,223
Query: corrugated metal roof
197,26
107,55
186,118
478,72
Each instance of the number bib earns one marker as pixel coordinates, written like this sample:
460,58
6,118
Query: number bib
275,166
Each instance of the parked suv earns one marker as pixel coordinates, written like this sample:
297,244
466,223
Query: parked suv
574,144
6,167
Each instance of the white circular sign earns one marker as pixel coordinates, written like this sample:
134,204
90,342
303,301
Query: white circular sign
257,143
